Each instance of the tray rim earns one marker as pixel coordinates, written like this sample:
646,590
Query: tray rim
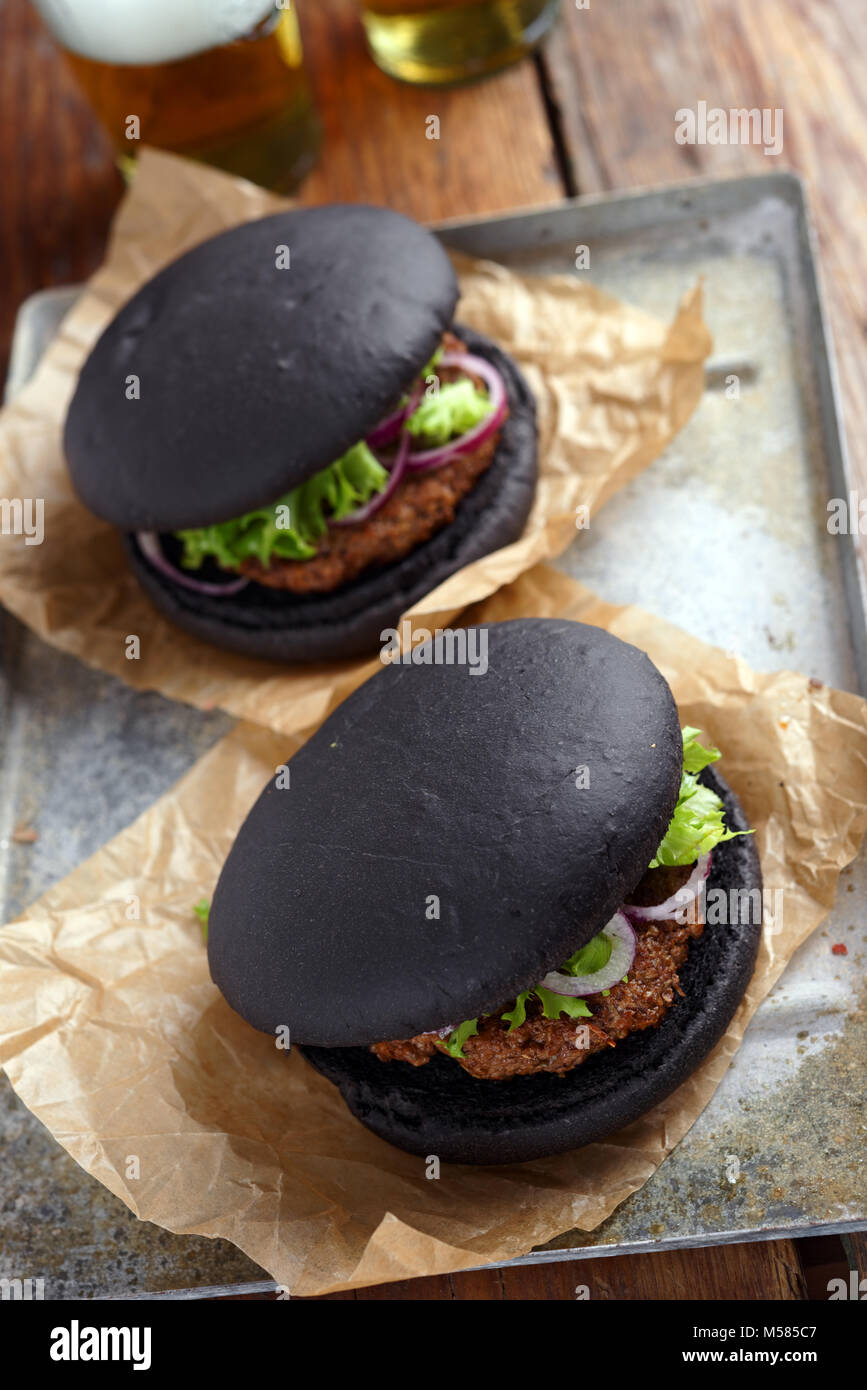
682,201
672,203
654,206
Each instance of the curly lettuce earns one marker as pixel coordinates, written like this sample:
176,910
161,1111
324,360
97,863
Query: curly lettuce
456,407
586,961
454,1043
202,910
291,527
553,1005
696,827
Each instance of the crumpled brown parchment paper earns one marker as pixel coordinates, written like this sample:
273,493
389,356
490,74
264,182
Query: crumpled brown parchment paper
613,385
113,1034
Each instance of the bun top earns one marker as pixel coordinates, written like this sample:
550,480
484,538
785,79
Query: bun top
261,355
447,838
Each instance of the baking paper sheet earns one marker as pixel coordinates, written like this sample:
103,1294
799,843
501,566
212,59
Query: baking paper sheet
113,1034
612,384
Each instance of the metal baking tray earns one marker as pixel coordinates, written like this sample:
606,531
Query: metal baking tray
738,505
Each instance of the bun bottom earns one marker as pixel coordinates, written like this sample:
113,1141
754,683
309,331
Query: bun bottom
288,627
439,1109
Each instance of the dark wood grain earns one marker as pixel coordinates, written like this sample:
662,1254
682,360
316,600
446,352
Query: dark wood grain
855,1246
495,148
58,182
764,1270
772,1270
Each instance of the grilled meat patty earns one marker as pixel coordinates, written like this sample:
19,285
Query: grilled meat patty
557,1045
421,505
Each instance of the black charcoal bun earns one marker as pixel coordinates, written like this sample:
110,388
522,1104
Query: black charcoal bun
252,375
520,805
282,626
440,1109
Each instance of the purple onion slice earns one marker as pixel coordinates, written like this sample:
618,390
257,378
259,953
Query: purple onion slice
151,547
398,468
679,901
621,934
473,366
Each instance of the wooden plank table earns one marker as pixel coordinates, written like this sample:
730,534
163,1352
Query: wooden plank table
594,111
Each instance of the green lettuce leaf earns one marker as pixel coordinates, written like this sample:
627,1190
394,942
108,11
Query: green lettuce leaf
290,528
515,1017
697,824
202,910
452,410
454,1043
590,958
587,961
553,1005
695,756
430,366
695,828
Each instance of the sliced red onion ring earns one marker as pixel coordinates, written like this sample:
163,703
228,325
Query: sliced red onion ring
622,937
151,547
679,901
397,471
389,428
473,366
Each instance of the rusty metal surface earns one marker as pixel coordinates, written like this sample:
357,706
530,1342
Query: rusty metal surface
737,507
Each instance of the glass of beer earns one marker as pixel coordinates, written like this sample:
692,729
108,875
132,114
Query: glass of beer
445,41
222,81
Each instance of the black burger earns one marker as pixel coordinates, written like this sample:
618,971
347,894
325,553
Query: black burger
478,905
296,439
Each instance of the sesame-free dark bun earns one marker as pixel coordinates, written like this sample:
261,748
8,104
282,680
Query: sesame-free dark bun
282,626
253,377
439,1109
525,803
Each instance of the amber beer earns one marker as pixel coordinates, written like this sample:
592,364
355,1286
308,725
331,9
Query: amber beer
219,80
441,41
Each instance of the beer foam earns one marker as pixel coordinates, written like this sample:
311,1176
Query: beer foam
127,32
